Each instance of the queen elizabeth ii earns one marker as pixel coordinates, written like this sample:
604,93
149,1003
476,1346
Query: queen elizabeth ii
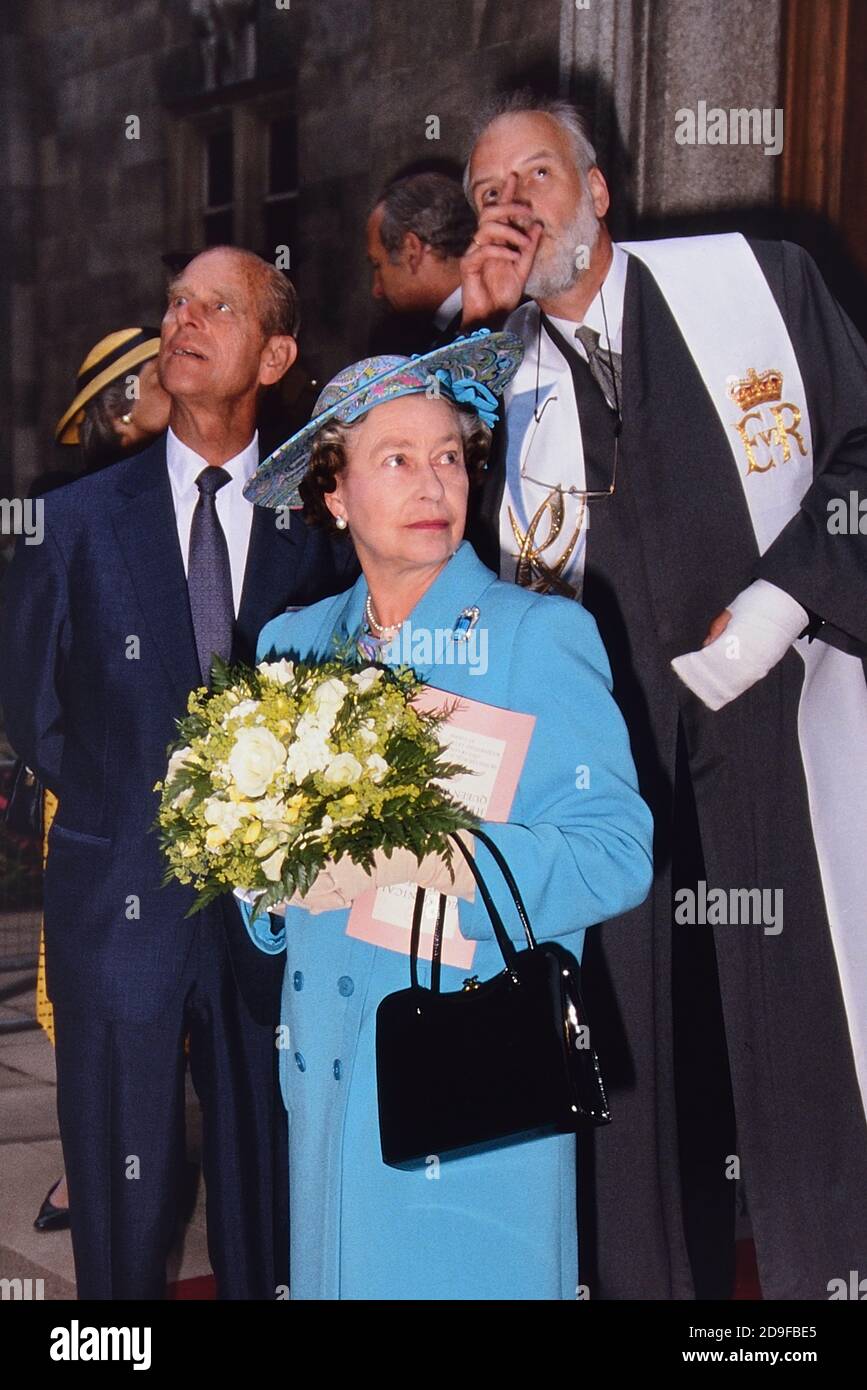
389,459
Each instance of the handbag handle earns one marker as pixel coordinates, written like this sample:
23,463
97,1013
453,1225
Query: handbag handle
416,938
501,863
504,941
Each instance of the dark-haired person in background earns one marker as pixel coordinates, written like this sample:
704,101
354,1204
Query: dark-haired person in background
417,233
148,569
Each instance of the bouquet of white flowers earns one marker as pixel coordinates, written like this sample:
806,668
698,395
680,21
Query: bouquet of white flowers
284,766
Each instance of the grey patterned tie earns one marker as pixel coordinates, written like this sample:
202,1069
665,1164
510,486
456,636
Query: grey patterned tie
209,574
606,367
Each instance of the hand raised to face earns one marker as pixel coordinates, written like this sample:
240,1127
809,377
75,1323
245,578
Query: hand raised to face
498,260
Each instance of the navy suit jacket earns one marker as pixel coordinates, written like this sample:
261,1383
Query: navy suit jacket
97,658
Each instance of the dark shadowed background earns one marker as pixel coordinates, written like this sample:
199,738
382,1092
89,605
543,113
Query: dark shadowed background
134,133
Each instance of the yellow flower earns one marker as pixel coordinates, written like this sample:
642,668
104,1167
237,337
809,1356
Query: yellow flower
294,805
215,837
252,832
273,865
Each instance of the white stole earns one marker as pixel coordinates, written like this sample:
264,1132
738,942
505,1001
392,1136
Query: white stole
739,342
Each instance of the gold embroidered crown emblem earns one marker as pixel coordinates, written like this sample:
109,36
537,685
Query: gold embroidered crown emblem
755,389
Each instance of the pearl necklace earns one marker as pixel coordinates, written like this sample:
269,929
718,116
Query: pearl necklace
373,622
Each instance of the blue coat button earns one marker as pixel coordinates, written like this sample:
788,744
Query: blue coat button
336,1069
298,980
300,1062
346,985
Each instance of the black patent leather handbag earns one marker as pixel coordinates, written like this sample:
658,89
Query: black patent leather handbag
497,1062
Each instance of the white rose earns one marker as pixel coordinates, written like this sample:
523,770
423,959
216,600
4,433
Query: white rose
312,725
245,707
366,678
270,810
254,759
309,753
367,733
343,770
376,766
226,815
328,697
282,671
179,759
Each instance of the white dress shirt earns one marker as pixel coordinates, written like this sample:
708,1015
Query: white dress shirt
613,291
546,453
233,509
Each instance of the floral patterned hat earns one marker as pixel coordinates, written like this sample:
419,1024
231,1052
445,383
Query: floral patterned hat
471,371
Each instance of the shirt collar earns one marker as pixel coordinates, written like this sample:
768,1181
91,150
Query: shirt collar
613,290
447,310
185,465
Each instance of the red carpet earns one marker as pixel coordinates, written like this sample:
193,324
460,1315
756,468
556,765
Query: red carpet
747,1284
200,1289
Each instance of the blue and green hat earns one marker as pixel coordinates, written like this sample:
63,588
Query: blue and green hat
471,371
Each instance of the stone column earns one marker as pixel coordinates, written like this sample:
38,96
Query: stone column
635,63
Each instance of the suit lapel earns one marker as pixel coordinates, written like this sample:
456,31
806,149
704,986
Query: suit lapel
274,554
147,534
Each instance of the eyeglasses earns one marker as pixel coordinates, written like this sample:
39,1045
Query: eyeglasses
537,416
564,489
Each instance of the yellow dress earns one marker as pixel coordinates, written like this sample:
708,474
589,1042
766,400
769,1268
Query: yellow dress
44,1008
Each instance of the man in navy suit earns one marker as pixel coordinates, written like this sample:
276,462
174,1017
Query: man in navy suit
144,572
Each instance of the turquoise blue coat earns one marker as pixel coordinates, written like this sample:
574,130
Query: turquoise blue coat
500,1225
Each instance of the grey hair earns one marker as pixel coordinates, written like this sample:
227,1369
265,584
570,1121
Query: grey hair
279,313
431,205
281,316
567,117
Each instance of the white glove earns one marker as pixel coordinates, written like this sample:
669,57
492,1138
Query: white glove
339,883
765,622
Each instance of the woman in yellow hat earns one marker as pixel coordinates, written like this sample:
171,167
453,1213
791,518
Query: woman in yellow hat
119,404
118,408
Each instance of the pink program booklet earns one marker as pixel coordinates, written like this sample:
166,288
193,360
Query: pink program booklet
492,743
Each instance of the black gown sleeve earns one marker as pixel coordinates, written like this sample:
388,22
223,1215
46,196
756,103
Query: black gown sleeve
824,570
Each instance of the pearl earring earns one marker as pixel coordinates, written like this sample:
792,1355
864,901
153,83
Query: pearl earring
341,523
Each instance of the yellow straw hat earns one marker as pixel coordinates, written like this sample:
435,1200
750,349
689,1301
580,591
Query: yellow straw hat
113,355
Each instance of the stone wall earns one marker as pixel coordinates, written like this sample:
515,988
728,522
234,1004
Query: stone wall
92,213
634,64
90,218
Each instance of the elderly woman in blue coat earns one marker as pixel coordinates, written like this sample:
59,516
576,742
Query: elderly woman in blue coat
390,457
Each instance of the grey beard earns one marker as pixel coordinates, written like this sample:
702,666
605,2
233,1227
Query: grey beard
560,271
